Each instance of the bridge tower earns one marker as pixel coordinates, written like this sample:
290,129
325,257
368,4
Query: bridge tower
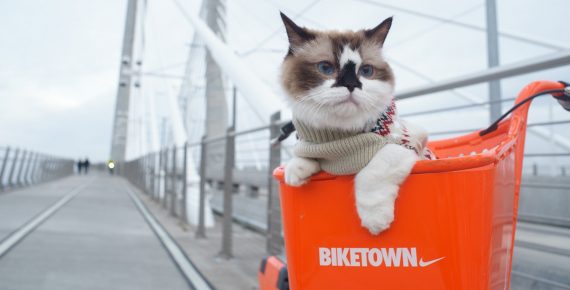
216,105
120,125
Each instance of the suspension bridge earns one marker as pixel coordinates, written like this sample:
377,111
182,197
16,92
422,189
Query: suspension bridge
191,202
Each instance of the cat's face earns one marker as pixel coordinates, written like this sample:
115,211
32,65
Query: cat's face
337,79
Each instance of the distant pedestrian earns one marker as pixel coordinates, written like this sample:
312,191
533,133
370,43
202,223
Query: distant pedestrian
86,165
111,166
79,166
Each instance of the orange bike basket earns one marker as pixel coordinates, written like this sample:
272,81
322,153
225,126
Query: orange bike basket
454,223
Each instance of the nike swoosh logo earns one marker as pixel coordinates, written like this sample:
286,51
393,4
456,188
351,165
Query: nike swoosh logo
425,264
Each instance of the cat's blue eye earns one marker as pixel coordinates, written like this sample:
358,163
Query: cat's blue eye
325,67
366,71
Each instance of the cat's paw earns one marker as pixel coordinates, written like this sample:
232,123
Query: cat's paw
298,170
378,218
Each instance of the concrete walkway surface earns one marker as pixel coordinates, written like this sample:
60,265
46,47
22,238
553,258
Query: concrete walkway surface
96,240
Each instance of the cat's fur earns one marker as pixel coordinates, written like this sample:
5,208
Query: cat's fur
347,100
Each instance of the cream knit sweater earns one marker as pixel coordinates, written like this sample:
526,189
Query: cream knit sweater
347,152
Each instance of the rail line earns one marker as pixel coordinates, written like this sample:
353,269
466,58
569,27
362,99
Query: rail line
192,275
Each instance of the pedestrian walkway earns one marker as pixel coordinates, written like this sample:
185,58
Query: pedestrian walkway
86,232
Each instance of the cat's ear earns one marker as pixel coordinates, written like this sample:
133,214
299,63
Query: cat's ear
378,34
297,35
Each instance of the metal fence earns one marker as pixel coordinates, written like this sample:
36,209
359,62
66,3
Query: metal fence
161,176
20,167
237,167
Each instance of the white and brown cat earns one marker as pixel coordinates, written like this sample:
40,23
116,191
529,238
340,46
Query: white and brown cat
340,88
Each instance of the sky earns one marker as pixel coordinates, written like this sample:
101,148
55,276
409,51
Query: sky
59,59
58,72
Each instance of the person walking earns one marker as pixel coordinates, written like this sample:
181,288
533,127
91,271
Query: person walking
86,164
111,166
79,166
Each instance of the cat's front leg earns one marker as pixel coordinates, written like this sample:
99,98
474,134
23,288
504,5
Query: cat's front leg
377,185
299,169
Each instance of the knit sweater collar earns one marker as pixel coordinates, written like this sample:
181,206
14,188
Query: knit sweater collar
381,126
321,135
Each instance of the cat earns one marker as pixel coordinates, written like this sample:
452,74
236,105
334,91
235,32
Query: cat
340,89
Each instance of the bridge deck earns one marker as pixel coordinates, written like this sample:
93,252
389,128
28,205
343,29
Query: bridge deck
98,239
95,232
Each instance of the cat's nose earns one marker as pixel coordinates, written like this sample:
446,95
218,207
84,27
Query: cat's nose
348,78
350,82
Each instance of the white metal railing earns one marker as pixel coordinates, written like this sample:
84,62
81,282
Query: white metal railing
20,167
550,61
